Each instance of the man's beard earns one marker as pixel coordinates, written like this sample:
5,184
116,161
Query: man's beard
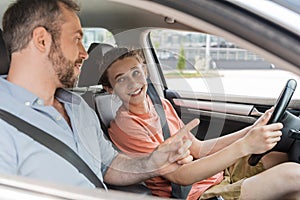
63,67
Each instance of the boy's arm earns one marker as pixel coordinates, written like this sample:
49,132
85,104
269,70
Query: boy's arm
259,139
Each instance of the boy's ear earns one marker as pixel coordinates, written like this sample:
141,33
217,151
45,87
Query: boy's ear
108,89
41,39
145,70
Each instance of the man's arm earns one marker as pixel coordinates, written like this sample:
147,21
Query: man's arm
166,158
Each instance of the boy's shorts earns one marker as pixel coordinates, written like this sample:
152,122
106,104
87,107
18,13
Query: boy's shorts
230,187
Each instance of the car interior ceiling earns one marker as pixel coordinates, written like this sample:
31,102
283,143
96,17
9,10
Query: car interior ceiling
117,21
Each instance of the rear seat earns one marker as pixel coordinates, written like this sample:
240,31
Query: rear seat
91,70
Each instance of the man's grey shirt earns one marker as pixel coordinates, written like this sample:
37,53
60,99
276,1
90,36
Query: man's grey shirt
21,155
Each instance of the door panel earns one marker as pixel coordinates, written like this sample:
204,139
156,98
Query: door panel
216,118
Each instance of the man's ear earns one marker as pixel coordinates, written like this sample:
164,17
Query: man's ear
108,89
41,39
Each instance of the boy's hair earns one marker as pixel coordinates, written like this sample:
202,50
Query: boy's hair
23,16
115,54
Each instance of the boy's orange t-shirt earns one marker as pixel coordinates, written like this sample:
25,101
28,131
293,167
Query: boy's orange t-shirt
140,134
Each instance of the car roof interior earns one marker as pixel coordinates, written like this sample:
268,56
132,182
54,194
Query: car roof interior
115,16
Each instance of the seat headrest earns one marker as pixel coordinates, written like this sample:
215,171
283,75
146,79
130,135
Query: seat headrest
92,67
4,57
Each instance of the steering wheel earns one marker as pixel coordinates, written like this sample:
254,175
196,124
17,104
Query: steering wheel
281,115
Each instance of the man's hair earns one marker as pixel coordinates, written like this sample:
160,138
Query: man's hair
113,56
23,16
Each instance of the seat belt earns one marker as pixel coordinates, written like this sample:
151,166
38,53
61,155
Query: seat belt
53,144
178,191
159,109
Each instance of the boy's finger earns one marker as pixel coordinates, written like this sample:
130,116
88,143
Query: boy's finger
185,160
182,152
275,126
177,147
186,145
179,156
263,120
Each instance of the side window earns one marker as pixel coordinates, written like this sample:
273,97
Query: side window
198,62
97,35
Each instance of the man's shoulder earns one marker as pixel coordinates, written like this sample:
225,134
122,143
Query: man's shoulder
9,103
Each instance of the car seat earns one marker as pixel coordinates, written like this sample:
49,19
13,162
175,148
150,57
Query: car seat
100,100
91,70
